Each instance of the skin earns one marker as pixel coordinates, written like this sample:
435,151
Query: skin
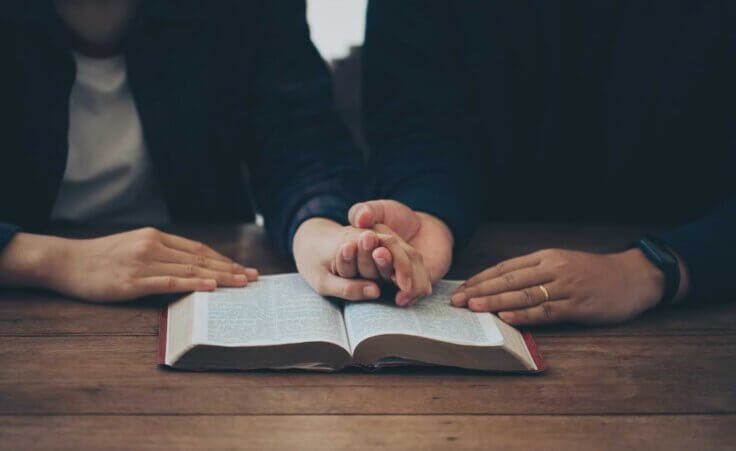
124,266
327,255
118,267
420,238
583,288
96,26
144,262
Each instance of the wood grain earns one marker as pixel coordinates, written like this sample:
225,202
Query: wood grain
83,376
602,375
330,432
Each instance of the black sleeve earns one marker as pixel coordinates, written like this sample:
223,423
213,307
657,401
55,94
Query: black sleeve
8,123
305,162
7,232
415,119
707,248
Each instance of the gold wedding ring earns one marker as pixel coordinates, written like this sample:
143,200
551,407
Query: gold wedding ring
546,293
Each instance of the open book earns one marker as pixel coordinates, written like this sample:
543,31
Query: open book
279,322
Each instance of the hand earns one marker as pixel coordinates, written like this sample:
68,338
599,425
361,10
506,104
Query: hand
326,255
423,232
582,287
119,267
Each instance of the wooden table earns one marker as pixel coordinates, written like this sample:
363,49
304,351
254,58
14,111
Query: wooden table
76,375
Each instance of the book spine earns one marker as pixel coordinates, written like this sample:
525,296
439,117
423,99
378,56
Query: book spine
533,350
162,330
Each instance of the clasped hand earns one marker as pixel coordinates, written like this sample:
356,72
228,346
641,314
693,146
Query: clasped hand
385,243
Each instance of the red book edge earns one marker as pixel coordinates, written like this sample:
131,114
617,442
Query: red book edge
163,319
533,350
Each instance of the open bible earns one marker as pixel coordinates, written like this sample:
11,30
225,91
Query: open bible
279,322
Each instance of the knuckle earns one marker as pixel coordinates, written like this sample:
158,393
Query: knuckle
528,297
500,266
509,281
145,247
170,283
190,271
548,310
149,232
201,261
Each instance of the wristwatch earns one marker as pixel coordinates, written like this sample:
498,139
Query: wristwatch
665,260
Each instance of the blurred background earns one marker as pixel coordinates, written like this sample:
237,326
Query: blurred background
337,28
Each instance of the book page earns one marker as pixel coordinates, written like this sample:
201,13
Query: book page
279,309
432,317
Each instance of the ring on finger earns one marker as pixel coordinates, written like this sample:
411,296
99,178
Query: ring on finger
545,292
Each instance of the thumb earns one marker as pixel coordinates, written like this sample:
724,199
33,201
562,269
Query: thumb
350,289
365,215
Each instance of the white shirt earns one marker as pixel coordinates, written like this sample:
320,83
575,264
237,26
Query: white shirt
108,177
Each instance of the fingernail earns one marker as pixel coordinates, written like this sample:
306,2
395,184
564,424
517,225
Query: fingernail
408,284
506,316
458,298
381,261
209,284
364,244
476,304
370,291
347,253
401,299
241,279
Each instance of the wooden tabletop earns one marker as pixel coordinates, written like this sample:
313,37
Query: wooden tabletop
77,375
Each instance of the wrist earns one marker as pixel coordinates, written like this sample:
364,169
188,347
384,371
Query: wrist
647,278
33,260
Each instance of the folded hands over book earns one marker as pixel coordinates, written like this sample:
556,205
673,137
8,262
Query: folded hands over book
386,243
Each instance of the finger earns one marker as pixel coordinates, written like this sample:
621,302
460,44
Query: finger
223,279
421,283
504,267
513,300
402,263
192,247
169,255
511,281
384,262
350,289
169,284
251,273
544,313
345,264
366,214
368,241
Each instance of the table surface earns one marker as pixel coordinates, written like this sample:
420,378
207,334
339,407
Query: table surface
78,375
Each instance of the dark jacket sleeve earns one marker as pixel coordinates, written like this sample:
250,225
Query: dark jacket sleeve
305,163
8,118
415,120
7,232
707,248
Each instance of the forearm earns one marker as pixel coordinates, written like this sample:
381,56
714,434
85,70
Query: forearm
31,260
